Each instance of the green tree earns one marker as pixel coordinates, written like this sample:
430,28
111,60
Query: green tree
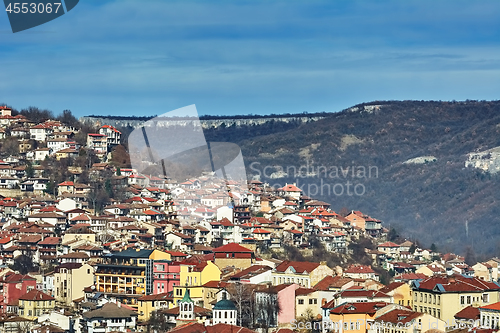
24,264
392,235
158,323
29,171
470,256
67,118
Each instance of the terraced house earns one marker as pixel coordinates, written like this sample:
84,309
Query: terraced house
443,296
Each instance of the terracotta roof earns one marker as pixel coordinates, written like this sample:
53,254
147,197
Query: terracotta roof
298,266
469,312
391,287
494,306
75,255
36,295
250,272
456,283
291,188
357,269
398,316
362,307
332,282
50,241
388,244
230,248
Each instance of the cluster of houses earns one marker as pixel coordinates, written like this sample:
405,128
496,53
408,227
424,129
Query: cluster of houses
188,257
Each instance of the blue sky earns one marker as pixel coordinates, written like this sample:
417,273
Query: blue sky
251,57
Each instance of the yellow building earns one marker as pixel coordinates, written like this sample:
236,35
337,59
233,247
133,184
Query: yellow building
128,275
443,296
307,302
194,276
406,321
35,303
400,292
233,254
150,303
303,273
354,317
69,281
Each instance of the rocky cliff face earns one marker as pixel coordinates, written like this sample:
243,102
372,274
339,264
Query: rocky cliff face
205,123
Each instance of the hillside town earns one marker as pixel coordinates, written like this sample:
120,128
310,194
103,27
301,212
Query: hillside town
109,249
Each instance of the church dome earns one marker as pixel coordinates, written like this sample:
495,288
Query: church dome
224,304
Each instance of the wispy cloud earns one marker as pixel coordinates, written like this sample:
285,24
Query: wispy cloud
252,56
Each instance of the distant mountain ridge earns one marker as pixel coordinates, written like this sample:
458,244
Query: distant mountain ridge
419,149
416,151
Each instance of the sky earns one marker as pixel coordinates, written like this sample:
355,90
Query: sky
148,57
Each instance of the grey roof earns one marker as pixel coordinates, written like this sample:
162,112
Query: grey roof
133,253
110,310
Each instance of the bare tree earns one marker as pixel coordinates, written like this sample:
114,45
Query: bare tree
158,323
241,295
306,321
267,308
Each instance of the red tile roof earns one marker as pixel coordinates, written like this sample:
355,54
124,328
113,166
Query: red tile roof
332,282
231,248
298,266
456,283
494,306
36,295
388,244
398,316
357,269
469,312
362,307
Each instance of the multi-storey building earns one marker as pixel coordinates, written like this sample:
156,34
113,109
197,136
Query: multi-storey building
113,136
128,275
97,142
35,303
303,273
443,296
69,281
166,276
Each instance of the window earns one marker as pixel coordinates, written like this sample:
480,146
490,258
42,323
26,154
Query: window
439,300
310,301
301,301
485,298
462,300
468,300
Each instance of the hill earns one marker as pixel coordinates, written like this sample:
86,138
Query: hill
401,161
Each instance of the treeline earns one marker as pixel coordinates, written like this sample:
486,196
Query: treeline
228,117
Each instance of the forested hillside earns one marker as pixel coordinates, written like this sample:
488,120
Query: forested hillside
437,200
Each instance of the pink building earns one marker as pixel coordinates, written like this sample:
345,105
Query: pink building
286,298
166,275
285,294
14,286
